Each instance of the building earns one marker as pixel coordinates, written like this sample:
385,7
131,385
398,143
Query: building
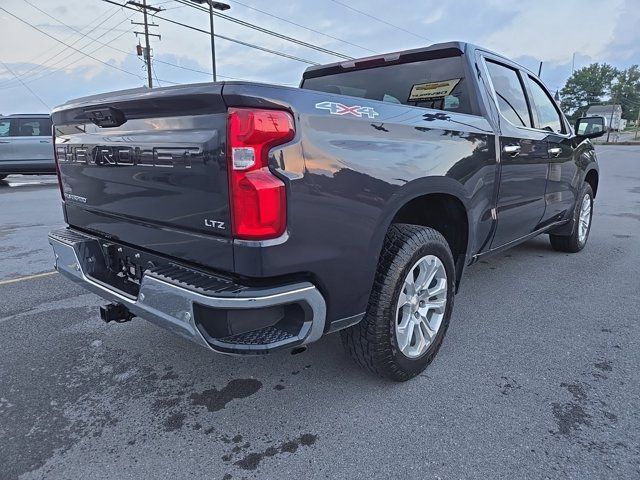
606,111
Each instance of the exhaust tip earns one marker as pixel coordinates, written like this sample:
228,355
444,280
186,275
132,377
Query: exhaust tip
298,350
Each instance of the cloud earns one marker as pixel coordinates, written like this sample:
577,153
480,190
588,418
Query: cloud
548,31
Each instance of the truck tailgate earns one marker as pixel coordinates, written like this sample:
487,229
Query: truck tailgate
148,168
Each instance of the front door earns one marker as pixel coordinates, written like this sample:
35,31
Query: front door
6,141
564,173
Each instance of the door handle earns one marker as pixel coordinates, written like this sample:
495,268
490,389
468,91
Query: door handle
555,151
5,141
513,150
44,141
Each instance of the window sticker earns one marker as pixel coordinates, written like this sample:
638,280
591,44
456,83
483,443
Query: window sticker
432,90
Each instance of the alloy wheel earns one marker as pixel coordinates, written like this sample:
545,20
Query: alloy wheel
421,306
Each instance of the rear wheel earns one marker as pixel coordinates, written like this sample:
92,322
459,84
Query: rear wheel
409,307
581,224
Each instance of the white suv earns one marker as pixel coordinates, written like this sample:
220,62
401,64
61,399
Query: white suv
25,145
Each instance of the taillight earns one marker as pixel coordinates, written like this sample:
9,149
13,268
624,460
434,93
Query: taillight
55,157
257,196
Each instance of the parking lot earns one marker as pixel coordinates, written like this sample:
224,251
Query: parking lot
538,376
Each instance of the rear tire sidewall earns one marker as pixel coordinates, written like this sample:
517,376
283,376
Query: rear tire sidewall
414,366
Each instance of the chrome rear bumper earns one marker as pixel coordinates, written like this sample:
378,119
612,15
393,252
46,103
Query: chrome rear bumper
199,306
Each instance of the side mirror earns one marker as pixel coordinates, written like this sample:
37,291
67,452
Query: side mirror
590,127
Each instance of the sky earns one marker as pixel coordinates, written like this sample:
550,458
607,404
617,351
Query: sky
38,72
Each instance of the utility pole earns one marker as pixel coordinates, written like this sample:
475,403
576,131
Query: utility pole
146,53
540,70
613,107
635,137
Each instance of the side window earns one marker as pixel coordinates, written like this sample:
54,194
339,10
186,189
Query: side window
5,126
46,125
548,116
38,127
511,100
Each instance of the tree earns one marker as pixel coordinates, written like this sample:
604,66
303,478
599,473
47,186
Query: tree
588,86
626,92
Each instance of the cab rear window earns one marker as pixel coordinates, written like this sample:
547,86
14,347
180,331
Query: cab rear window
438,83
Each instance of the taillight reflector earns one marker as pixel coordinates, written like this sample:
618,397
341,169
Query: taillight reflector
257,196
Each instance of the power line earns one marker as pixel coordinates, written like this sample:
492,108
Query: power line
302,26
90,26
78,50
109,45
267,31
74,48
240,42
42,75
51,70
381,20
25,85
44,65
83,36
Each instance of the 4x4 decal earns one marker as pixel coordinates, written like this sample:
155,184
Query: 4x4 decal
340,109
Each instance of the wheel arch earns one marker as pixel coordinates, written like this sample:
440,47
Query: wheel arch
439,203
592,178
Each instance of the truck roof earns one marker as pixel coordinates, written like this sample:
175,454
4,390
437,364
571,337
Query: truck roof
437,50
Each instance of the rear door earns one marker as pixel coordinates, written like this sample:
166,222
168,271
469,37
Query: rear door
523,157
32,144
563,173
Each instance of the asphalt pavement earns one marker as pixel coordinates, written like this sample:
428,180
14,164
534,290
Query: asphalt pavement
538,377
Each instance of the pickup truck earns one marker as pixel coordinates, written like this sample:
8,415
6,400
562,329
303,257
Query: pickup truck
250,218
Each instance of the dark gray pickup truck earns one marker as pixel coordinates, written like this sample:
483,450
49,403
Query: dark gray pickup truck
250,218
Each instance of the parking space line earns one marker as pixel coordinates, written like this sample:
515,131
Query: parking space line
28,277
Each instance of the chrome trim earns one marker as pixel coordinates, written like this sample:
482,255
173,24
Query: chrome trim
346,322
170,306
512,243
263,243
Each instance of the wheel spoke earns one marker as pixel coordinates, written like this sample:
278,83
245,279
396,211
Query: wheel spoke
439,288
420,340
409,287
421,305
403,299
429,332
404,335
406,319
423,273
437,305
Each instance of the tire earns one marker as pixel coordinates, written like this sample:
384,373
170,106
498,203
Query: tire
374,342
574,242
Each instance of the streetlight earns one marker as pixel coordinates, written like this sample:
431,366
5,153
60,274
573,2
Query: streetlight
218,6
